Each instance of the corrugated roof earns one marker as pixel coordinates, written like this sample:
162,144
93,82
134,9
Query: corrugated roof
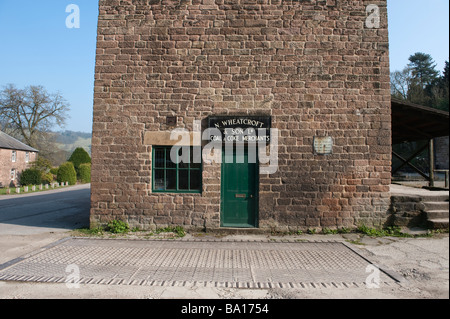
11,143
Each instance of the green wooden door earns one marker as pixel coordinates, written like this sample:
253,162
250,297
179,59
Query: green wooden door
239,191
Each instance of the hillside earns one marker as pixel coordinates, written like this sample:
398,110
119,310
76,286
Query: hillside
69,140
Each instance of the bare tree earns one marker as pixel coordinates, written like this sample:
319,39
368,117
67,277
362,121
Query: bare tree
31,112
400,83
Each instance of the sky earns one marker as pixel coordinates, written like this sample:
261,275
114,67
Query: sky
37,47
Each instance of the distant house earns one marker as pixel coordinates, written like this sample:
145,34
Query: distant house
15,157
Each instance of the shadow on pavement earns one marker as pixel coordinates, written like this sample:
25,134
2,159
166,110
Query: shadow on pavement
65,210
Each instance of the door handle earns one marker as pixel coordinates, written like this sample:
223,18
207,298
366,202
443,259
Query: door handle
242,196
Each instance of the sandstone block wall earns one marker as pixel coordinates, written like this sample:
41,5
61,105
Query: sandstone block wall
314,66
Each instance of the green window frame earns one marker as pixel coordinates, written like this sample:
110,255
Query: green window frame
178,177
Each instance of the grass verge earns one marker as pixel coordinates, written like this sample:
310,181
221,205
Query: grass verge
117,228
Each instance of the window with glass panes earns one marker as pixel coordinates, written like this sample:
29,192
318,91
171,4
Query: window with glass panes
176,176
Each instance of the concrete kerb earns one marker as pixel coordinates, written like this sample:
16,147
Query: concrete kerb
47,191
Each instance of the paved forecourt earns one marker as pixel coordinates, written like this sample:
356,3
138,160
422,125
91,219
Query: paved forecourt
239,264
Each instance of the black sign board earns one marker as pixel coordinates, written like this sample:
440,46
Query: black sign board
241,128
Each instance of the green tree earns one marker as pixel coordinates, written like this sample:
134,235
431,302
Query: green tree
424,77
441,90
78,157
42,164
423,69
47,178
66,173
419,82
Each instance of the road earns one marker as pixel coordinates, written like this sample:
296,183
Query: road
51,211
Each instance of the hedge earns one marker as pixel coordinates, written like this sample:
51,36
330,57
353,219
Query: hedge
78,157
31,176
85,173
67,173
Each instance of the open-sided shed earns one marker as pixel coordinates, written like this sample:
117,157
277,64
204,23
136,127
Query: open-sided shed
413,122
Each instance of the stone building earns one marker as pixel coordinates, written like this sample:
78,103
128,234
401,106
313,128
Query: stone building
310,77
15,157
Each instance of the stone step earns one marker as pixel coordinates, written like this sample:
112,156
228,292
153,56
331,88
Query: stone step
419,198
436,206
435,198
437,214
438,223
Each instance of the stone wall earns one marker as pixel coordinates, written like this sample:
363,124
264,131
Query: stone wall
314,66
19,165
407,211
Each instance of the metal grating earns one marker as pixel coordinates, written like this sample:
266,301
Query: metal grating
200,263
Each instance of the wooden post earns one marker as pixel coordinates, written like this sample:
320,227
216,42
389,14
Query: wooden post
445,171
446,179
431,159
